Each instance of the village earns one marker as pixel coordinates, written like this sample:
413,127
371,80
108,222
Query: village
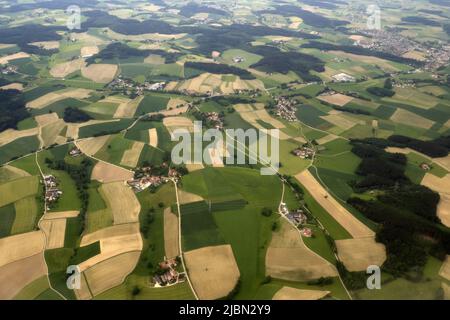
132,87
285,109
304,152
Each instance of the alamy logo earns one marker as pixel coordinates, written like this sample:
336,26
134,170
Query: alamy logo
238,147
374,280
374,18
74,280
74,19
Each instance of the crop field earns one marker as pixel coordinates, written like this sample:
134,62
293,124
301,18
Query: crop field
100,73
213,271
106,172
122,201
358,254
171,245
113,150
287,293
152,103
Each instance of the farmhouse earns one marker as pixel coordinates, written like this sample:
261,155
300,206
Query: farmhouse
297,217
343,77
238,59
141,184
168,274
306,232
75,152
304,152
425,166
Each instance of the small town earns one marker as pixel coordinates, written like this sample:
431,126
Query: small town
285,109
52,193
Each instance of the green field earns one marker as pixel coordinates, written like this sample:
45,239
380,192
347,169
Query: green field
18,148
152,103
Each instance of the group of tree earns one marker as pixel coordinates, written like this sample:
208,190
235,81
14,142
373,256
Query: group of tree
75,115
12,109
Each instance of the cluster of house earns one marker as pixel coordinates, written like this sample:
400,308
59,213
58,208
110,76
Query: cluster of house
285,109
130,86
215,118
145,179
75,152
143,183
52,193
9,69
304,152
298,218
343,77
169,275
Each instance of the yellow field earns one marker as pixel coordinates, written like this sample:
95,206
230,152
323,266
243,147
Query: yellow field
122,201
171,243
146,36
383,64
14,56
61,215
416,55
406,117
21,246
336,99
131,156
172,123
440,185
89,51
176,103
105,173
340,120
63,69
187,197
17,275
55,231
50,132
433,90
13,86
47,45
155,59
83,293
101,73
288,257
92,145
128,109
52,97
212,270
414,97
10,135
87,39
112,272
326,139
358,254
172,112
355,227
17,189
153,137
194,167
110,232
47,118
288,293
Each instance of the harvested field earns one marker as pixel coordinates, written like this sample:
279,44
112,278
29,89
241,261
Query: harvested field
101,73
72,131
47,45
445,269
355,227
440,185
52,97
15,56
86,38
83,293
61,215
171,241
408,118
155,59
358,254
112,272
16,275
446,289
21,246
383,64
213,271
173,112
47,118
89,51
122,201
173,123
131,156
13,86
254,114
288,293
187,197
110,232
63,69
340,120
153,137
50,132
288,258
55,231
10,135
145,36
106,173
92,145
176,103
128,109
326,139
444,162
337,99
